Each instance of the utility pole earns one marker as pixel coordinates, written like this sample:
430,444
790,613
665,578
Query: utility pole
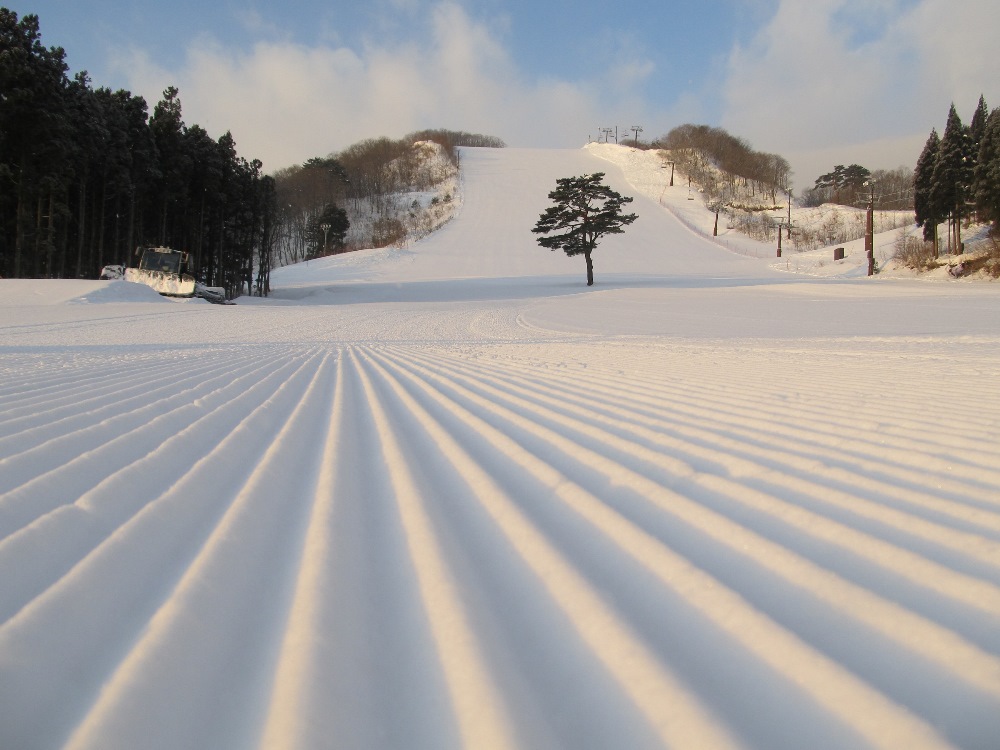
788,229
870,232
870,226
789,216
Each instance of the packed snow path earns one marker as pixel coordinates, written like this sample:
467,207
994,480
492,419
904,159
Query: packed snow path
449,497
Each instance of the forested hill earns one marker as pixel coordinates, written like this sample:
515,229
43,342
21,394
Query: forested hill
377,192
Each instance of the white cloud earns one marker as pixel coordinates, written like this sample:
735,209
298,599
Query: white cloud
254,22
957,46
286,102
866,78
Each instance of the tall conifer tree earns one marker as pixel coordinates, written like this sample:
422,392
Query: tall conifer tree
926,213
952,178
977,125
987,183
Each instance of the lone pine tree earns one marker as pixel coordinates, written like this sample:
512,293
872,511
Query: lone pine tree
585,210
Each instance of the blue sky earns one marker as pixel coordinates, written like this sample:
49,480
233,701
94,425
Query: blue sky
821,82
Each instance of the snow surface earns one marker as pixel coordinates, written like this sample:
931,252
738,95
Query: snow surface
448,496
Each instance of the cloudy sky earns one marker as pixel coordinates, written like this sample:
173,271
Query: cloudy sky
821,82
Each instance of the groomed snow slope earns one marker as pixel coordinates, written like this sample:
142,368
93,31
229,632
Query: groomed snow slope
447,497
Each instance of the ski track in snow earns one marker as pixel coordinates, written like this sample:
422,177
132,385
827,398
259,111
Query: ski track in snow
435,525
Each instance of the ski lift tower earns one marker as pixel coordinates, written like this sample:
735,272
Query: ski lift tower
326,230
783,224
671,171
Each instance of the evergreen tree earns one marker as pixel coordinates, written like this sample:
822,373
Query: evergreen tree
336,222
585,210
843,184
977,126
230,218
203,186
92,155
35,145
927,213
143,171
953,172
269,227
987,176
167,127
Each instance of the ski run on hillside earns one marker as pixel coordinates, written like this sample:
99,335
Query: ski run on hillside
446,496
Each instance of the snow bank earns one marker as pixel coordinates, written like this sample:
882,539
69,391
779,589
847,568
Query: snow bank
19,292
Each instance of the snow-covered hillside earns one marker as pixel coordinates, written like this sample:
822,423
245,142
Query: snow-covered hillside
817,230
429,198
446,496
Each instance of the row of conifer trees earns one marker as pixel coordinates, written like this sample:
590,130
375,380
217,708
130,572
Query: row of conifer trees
958,176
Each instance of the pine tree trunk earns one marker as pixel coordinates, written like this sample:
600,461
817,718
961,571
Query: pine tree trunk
163,225
201,233
50,238
590,268
19,238
130,232
37,238
102,224
116,241
81,235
